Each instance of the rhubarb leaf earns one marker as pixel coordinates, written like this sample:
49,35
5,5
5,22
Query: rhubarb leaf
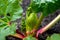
7,30
31,21
10,9
29,38
44,6
54,37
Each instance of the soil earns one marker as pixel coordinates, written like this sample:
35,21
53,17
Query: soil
12,38
54,29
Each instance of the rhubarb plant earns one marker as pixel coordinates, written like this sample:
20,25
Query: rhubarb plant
10,10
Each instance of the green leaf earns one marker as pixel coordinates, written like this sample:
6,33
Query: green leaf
54,37
31,21
44,6
7,30
29,38
11,8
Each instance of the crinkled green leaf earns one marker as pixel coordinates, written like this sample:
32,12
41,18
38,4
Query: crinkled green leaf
10,9
54,37
7,30
31,21
45,6
29,38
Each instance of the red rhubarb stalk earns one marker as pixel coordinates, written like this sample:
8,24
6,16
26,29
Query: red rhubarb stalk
19,36
42,30
17,31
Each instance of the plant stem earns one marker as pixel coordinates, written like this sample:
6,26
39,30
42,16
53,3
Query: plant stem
48,26
17,31
19,36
